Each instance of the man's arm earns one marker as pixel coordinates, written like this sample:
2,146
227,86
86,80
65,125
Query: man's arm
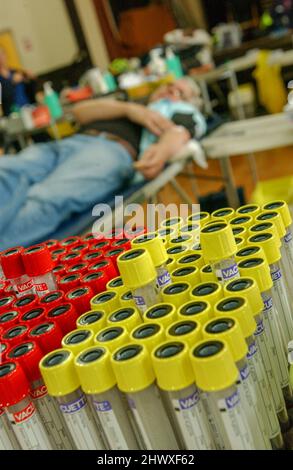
107,109
155,157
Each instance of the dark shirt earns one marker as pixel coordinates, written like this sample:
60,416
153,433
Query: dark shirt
15,94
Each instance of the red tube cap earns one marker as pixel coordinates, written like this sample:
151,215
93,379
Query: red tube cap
12,263
124,243
51,300
4,349
6,303
15,335
82,248
37,260
14,385
28,355
69,282
107,267
116,234
60,270
70,242
33,317
65,316
57,254
92,256
102,245
96,281
91,238
27,302
52,244
80,298
135,231
79,268
9,319
113,255
47,335
71,258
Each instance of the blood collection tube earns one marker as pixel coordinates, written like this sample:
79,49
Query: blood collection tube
14,270
198,311
264,382
176,379
4,348
71,258
106,266
189,274
47,335
135,376
148,334
69,282
163,313
93,256
173,222
123,243
112,338
80,298
70,242
177,293
92,320
199,217
182,239
59,270
240,242
279,290
193,229
60,377
77,340
33,317
65,316
98,382
126,299
188,331
21,411
96,281
16,334
27,302
39,266
216,375
51,300
272,348
219,249
207,274
245,221
117,285
58,254
250,251
167,234
228,329
226,213
211,292
81,248
102,245
107,301
239,231
8,439
114,254
158,253
7,303
127,317
89,238
177,251
139,274
191,259
28,355
79,268
9,319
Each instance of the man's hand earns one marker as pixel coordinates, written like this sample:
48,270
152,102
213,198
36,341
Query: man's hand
153,161
147,118
17,77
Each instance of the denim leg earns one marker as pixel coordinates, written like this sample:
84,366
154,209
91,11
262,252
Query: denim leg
93,174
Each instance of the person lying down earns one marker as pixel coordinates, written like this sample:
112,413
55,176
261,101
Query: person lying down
46,184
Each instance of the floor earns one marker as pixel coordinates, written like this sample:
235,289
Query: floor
272,164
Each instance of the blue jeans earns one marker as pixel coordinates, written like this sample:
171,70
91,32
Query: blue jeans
45,184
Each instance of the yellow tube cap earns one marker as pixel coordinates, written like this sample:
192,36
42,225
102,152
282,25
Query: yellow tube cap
58,372
210,292
249,209
92,320
227,329
128,317
117,285
173,222
177,293
250,251
107,301
242,221
239,232
112,338
199,217
240,242
148,334
213,365
282,208
247,287
189,274
191,228
133,368
172,366
136,268
275,217
259,270
164,314
177,251
198,311
171,264
217,242
94,370
154,245
207,274
167,233
184,239
239,309
188,331
191,258
269,244
77,340
126,300
269,227
227,213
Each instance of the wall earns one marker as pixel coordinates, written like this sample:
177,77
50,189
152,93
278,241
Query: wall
93,33
42,32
